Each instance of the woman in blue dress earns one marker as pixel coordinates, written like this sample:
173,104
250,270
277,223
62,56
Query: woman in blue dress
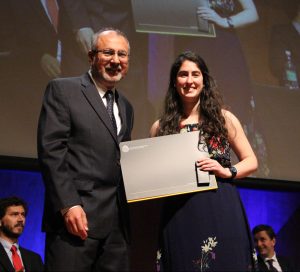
205,231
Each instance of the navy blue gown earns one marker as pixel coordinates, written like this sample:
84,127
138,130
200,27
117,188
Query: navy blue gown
206,231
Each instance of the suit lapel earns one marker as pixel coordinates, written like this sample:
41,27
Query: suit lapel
122,112
4,260
261,264
26,259
282,263
92,95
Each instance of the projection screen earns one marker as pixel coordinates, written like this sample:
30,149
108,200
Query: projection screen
255,63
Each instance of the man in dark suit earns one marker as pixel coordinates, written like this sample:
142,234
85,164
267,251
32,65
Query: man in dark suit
32,52
265,240
85,215
13,258
42,41
86,17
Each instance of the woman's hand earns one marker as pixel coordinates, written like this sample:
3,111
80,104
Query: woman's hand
210,165
210,15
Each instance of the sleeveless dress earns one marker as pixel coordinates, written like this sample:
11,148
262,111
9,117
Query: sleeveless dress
206,231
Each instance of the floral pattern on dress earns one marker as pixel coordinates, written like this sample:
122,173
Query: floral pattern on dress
223,7
255,261
189,128
218,149
158,260
207,254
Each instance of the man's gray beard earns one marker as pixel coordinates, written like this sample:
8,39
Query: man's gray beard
108,79
100,77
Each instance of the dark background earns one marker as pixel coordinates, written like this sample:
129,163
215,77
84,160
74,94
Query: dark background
271,196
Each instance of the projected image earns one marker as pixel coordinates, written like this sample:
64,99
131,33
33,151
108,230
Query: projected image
284,55
251,47
225,57
173,17
38,46
271,50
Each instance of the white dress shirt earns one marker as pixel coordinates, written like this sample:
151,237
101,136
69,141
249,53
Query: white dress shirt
7,247
275,263
102,95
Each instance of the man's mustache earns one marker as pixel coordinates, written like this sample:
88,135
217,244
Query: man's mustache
19,225
113,67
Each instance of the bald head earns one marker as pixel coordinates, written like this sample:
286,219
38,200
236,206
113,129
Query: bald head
108,31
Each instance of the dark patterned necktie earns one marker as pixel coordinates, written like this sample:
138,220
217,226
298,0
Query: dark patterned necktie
271,267
110,107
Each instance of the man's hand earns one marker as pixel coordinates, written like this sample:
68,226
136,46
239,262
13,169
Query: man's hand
84,38
51,66
76,222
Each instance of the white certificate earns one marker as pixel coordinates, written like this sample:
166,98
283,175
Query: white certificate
164,166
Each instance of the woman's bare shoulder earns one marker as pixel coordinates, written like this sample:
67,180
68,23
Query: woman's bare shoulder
154,129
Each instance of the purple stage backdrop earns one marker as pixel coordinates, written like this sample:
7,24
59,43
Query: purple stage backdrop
279,209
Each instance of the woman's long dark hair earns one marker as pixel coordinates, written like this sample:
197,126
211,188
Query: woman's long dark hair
212,123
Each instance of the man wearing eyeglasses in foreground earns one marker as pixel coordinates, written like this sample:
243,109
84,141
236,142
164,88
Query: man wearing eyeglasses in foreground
80,127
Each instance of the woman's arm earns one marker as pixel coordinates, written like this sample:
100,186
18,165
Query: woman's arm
247,16
154,129
240,145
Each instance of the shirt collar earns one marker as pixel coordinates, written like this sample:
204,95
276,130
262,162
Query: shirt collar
272,258
7,245
99,88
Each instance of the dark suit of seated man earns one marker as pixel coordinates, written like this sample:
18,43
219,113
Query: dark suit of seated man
13,258
265,240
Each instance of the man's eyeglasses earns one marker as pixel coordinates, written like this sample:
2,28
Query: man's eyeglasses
109,53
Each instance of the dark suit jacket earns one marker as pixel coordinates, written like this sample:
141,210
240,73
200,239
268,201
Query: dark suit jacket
79,154
31,260
100,13
33,35
284,263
